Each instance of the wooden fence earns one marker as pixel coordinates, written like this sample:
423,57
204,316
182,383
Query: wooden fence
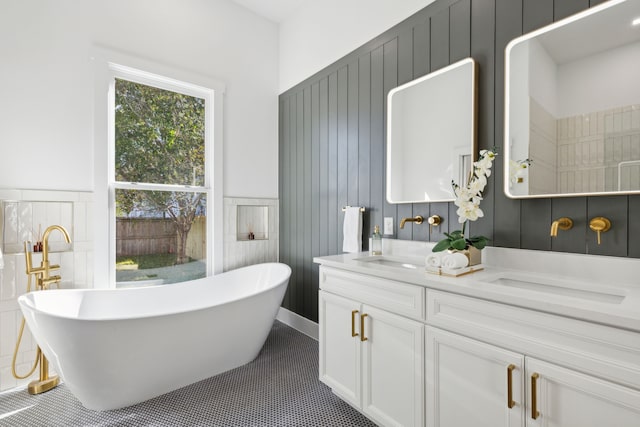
144,236
197,239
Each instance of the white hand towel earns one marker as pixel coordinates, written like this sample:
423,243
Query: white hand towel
455,261
352,230
434,260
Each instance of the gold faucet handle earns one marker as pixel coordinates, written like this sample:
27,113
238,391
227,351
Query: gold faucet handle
600,224
434,221
50,280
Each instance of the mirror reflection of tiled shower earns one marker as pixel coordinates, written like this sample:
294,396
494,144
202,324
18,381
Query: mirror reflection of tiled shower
600,151
594,152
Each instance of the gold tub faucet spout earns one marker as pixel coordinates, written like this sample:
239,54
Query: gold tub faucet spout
563,223
47,279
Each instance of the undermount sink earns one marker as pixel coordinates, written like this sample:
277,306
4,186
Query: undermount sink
559,287
518,281
404,263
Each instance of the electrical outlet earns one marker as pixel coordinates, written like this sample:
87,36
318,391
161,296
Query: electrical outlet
388,225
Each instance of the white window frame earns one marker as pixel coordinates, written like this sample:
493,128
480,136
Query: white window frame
110,65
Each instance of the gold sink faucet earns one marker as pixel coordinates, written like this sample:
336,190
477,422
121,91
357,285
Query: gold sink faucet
417,219
563,223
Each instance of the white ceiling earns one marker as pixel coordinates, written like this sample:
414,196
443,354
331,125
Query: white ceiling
605,30
275,10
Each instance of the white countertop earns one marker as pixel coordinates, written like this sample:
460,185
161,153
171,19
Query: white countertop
576,281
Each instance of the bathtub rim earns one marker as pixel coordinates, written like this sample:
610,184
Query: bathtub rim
27,302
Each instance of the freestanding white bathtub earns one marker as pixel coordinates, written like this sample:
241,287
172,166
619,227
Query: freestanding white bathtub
115,348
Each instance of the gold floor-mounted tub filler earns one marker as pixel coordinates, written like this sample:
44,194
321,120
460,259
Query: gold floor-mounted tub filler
44,280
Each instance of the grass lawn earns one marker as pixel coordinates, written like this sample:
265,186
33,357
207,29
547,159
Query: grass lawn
149,261
160,270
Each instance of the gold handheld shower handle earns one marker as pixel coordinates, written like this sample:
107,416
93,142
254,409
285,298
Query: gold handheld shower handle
17,347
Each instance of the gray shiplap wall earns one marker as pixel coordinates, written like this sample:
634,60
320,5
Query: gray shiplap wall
332,144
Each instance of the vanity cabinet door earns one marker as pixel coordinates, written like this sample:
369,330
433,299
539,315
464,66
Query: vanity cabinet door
392,369
470,383
564,397
339,349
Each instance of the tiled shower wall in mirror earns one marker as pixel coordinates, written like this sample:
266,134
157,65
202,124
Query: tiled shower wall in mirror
599,151
23,215
594,152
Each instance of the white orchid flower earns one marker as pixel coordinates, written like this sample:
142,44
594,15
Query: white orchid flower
477,185
464,194
488,154
468,197
476,199
483,167
469,211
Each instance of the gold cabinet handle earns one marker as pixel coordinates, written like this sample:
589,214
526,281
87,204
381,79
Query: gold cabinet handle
362,337
510,402
534,396
353,323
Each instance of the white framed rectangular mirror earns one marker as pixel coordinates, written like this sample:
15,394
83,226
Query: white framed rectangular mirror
431,134
572,106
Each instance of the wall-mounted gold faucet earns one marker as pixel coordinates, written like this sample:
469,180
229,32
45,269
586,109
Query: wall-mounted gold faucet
43,280
563,223
417,219
600,224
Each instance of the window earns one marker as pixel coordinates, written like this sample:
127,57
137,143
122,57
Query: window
159,186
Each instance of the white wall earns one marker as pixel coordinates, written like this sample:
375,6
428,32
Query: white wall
599,82
518,112
326,31
543,77
46,82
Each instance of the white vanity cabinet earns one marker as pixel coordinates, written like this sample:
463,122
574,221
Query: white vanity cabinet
340,348
565,397
473,383
469,380
371,357
470,383
411,351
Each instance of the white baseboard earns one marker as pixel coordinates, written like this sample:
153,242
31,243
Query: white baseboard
298,322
